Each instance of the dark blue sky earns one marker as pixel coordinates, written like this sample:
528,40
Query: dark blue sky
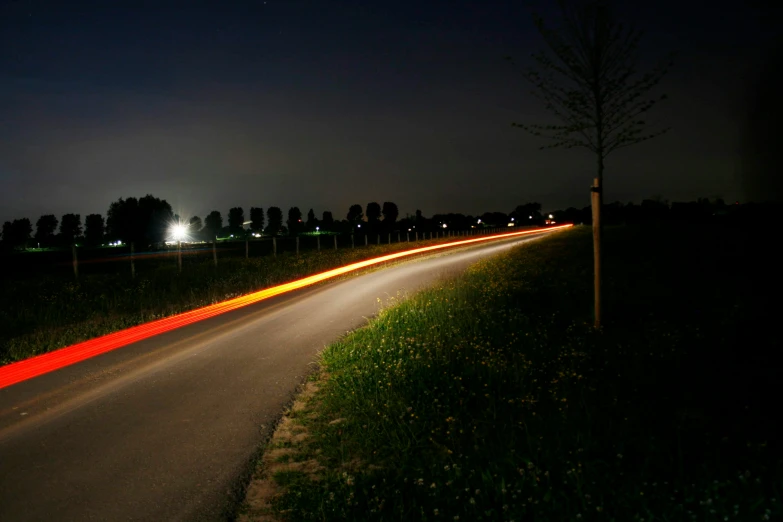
325,103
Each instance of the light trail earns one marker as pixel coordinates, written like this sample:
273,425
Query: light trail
41,364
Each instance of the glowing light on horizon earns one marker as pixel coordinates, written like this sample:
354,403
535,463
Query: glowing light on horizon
39,365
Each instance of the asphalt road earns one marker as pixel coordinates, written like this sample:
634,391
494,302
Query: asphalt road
165,428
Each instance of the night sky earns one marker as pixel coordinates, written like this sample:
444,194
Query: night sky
324,103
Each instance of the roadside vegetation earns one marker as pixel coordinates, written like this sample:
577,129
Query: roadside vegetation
492,398
40,314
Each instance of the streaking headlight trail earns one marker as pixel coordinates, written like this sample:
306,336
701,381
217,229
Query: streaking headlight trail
41,364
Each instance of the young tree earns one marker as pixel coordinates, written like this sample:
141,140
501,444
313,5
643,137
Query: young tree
257,217
236,217
294,220
390,213
93,229
70,228
355,214
45,228
589,82
212,225
275,218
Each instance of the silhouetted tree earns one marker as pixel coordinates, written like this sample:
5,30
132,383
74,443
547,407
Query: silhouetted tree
419,216
16,233
213,223
355,214
275,218
590,84
257,217
527,214
45,228
312,222
70,228
327,221
93,229
236,216
373,212
194,225
294,220
390,214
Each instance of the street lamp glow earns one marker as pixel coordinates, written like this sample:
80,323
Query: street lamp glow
444,225
478,222
358,226
551,216
531,217
178,231
317,229
512,219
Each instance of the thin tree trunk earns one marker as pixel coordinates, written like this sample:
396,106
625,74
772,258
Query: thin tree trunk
597,202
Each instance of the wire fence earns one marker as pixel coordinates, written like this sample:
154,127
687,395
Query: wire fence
128,258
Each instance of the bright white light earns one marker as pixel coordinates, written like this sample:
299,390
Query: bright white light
479,221
444,225
531,217
359,226
317,229
551,216
512,219
179,231
409,230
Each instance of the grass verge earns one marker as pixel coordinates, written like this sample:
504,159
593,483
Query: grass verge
46,313
491,398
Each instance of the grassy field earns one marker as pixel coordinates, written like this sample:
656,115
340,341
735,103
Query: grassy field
491,398
43,313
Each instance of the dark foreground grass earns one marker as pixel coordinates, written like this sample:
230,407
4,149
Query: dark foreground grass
492,399
41,314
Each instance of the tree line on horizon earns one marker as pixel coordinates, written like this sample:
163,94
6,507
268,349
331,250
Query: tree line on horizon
148,220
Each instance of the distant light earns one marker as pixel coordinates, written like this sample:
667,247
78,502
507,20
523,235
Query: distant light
512,219
479,221
359,226
531,217
409,230
551,216
232,235
316,228
179,231
511,224
444,225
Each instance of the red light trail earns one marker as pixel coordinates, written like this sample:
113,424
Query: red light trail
23,370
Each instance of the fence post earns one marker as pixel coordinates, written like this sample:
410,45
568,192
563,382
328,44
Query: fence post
353,245
274,246
179,256
365,239
408,237
379,239
417,235
75,262
398,237
214,251
318,242
247,248
335,241
133,264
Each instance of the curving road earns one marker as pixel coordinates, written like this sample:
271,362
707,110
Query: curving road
165,429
